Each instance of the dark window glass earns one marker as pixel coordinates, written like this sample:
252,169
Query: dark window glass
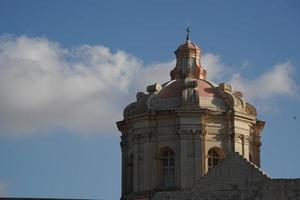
184,65
168,169
188,65
130,173
213,159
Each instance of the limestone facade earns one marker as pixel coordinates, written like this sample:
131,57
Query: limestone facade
177,132
235,178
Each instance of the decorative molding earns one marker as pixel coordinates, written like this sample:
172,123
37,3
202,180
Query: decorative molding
154,88
190,84
189,133
190,97
238,137
246,139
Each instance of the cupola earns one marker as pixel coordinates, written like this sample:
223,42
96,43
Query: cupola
188,63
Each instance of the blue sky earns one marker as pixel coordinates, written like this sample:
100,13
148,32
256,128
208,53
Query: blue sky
60,97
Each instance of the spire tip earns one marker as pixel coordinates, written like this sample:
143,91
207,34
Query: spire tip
188,30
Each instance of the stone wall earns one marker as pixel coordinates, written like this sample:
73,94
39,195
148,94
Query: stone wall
237,179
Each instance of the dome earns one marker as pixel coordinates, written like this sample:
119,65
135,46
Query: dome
187,46
174,89
188,91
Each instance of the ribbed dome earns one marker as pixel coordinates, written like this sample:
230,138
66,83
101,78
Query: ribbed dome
185,47
185,92
174,89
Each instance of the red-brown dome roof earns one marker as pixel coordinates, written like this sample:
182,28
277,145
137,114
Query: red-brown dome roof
187,46
174,88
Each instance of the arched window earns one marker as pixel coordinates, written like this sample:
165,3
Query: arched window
130,173
188,64
213,157
168,169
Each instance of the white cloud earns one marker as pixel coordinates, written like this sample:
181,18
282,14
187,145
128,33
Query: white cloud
214,67
44,86
154,73
278,81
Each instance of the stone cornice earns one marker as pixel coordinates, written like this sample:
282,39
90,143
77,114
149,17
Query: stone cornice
189,133
244,116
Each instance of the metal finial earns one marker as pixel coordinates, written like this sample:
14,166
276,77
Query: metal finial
188,30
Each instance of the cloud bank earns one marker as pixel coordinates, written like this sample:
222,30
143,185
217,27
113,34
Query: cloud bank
277,81
44,86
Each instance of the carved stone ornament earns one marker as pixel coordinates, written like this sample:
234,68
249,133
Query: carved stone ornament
137,107
190,97
246,139
233,99
154,101
238,137
153,88
140,96
225,87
